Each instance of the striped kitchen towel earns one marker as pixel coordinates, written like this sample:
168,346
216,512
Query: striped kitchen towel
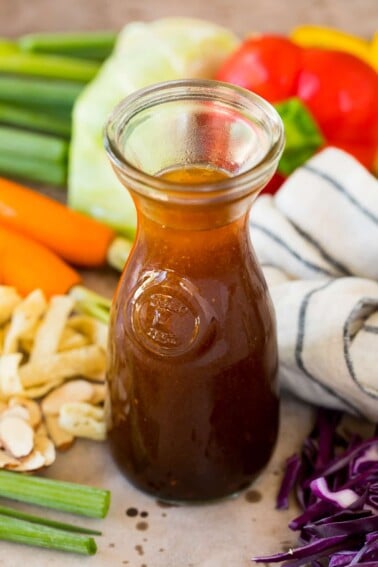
317,240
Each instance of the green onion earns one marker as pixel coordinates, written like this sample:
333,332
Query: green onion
91,303
32,145
12,529
32,169
7,46
51,66
35,120
35,157
12,513
59,495
94,45
39,92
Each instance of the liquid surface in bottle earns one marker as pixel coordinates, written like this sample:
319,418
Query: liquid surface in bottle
194,175
193,359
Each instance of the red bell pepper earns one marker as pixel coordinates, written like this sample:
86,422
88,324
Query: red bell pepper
267,65
339,89
274,184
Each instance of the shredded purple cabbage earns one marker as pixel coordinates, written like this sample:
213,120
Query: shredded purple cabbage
292,470
338,492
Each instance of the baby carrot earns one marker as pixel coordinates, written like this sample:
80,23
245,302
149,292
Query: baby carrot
71,235
28,265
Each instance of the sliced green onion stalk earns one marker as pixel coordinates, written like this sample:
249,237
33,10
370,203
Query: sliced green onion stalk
91,303
15,530
33,169
7,46
32,145
35,120
94,45
59,495
12,513
51,66
33,156
46,94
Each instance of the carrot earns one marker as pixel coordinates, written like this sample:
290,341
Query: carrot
71,235
28,265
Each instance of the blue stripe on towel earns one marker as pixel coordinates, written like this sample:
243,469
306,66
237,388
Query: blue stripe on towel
335,263
370,329
291,251
346,338
299,347
336,185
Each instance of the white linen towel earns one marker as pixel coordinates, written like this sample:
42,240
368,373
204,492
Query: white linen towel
317,241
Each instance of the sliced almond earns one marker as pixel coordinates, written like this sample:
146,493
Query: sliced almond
73,391
7,460
35,414
61,438
32,462
46,447
41,429
17,436
16,411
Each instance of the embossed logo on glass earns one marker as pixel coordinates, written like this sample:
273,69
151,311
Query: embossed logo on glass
164,314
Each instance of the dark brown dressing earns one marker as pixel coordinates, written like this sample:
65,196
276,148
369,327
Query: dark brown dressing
193,360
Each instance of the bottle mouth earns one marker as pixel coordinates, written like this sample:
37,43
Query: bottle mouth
189,124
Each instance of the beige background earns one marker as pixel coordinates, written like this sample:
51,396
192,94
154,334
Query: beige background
243,16
225,534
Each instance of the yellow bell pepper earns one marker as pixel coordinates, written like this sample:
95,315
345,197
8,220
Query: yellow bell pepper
329,38
374,51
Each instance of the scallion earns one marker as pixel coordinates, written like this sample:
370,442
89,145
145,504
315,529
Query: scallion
35,120
51,66
36,157
33,169
15,530
12,513
59,495
97,45
7,46
31,92
91,303
32,145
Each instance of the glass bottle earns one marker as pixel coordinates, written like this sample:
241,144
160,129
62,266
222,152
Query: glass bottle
192,355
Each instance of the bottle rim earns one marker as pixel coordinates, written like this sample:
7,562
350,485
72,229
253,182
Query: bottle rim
234,187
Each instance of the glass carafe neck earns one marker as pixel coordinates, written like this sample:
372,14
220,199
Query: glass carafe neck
194,125
188,217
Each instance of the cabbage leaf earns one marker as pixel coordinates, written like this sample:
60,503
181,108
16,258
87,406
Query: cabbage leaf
145,53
